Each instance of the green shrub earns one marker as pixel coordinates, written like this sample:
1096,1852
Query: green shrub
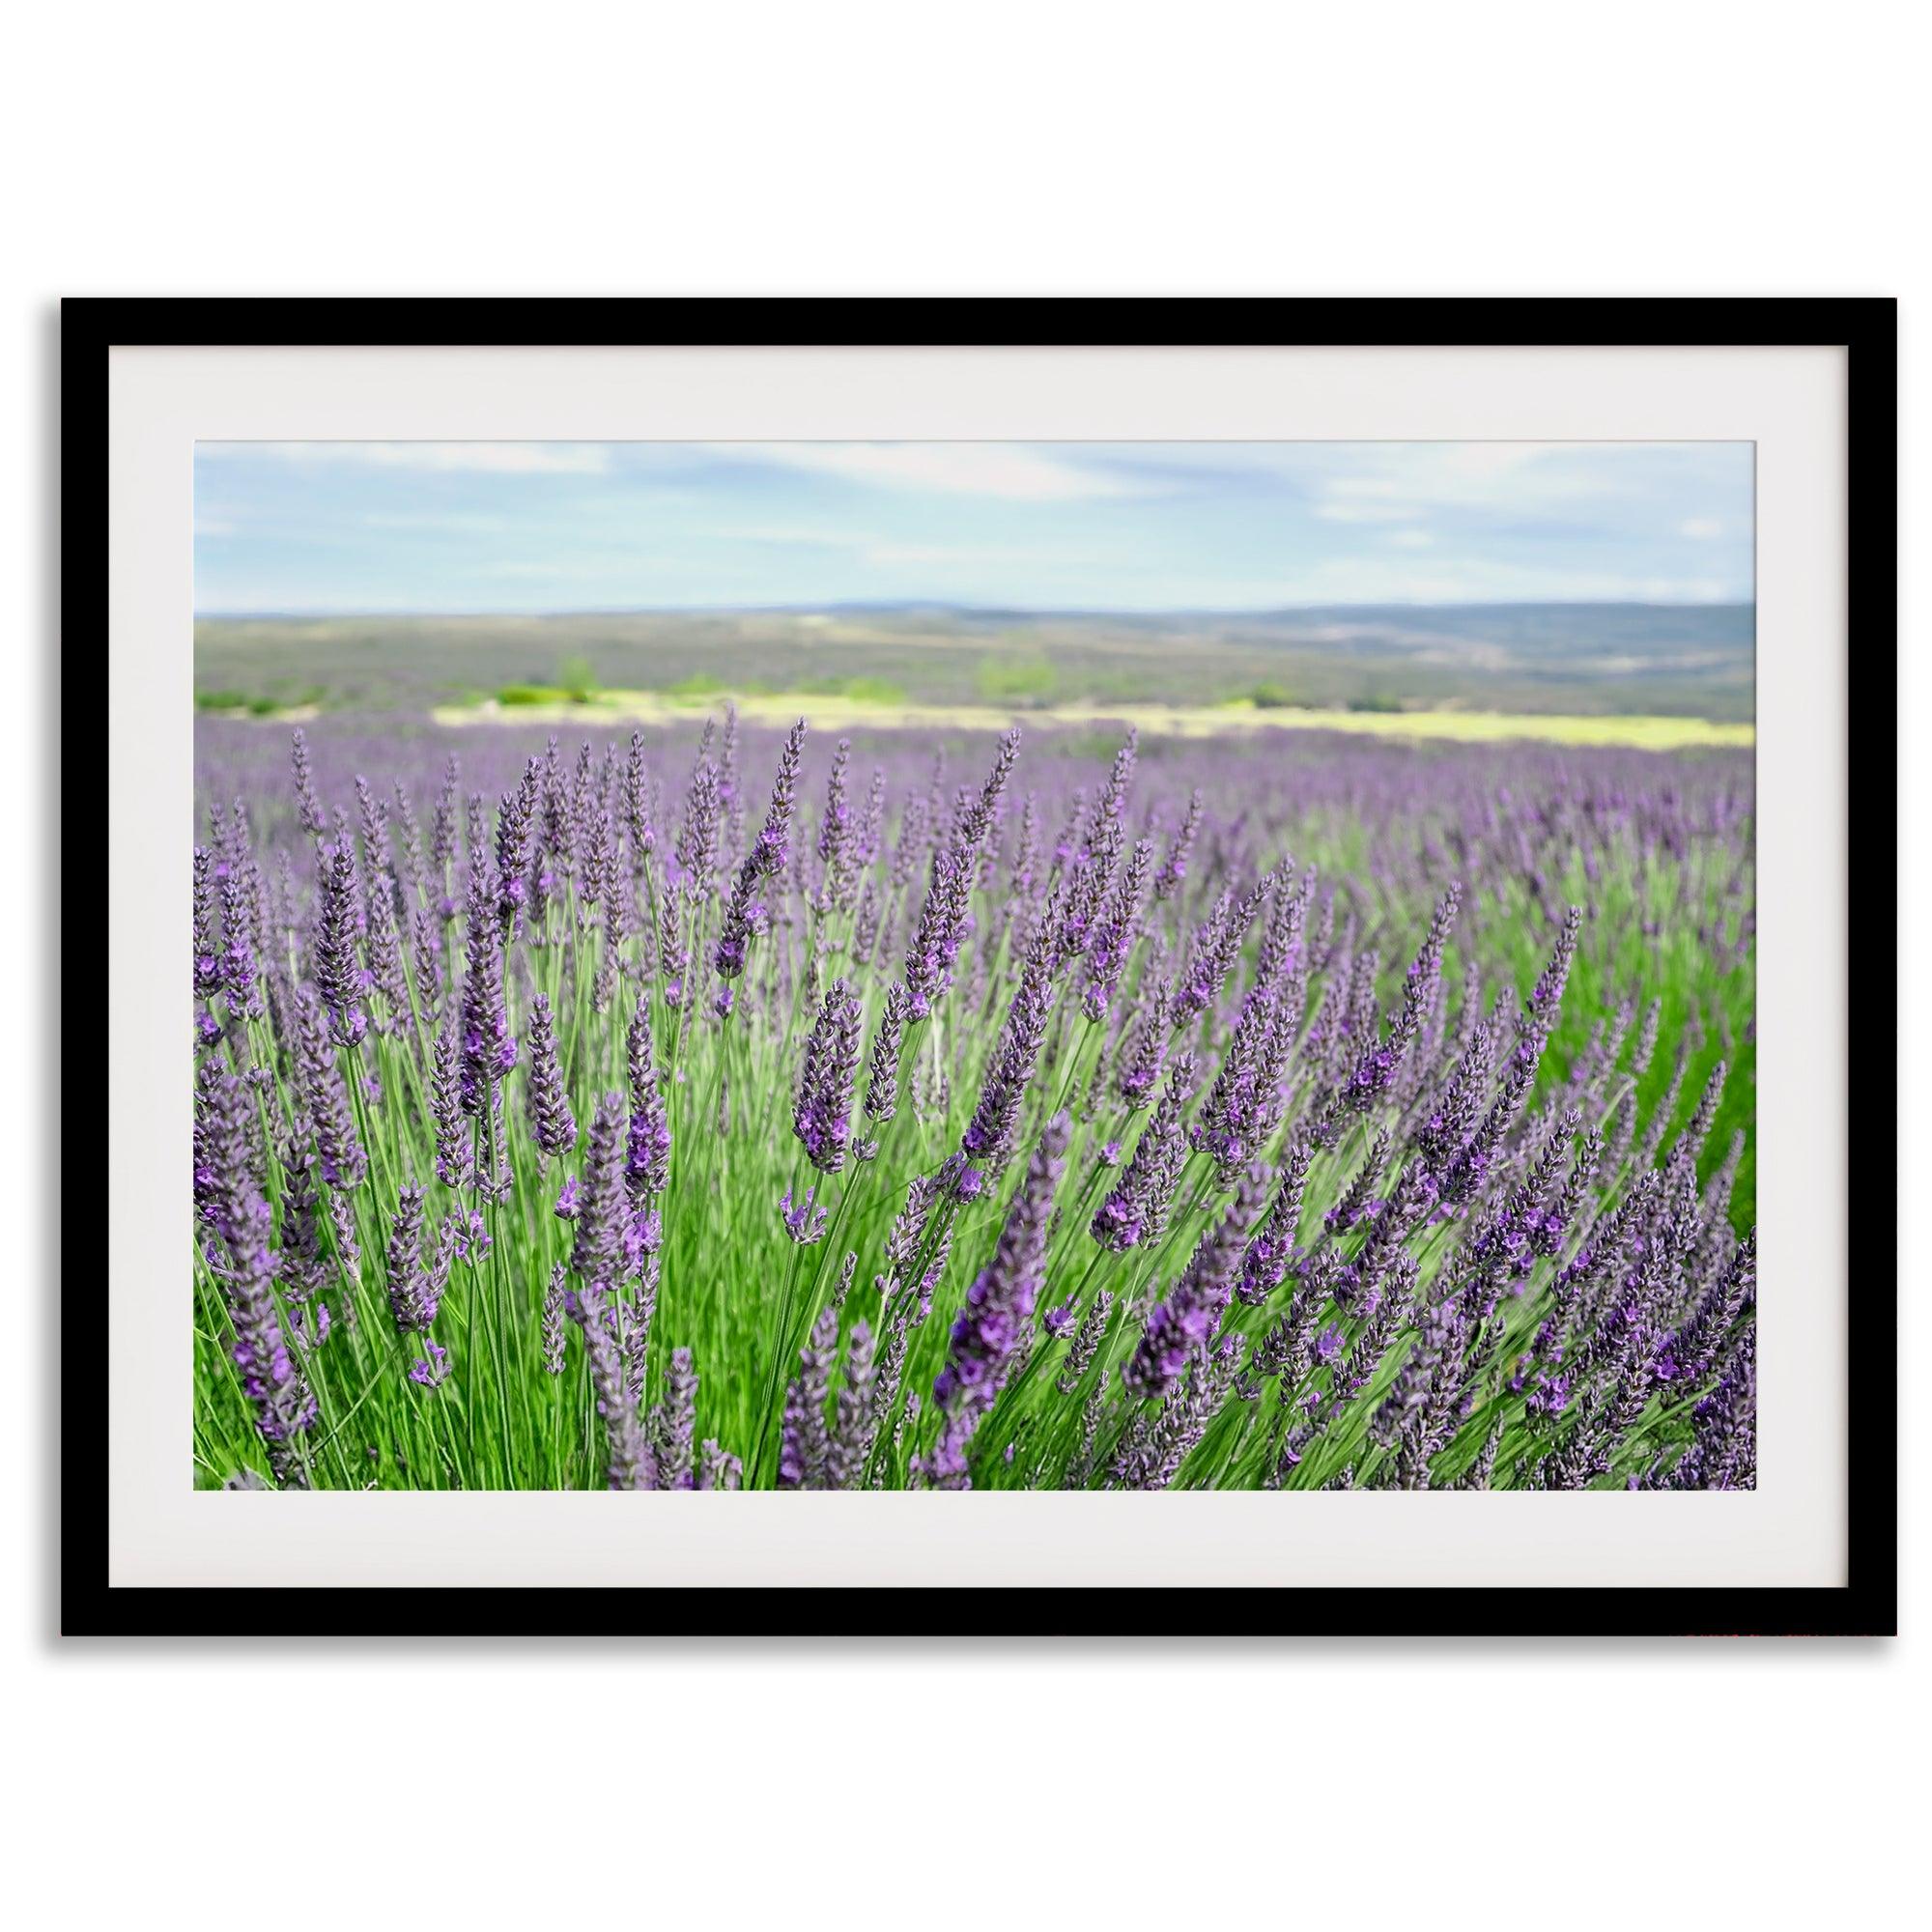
873,691
530,694
576,676
1267,695
1018,680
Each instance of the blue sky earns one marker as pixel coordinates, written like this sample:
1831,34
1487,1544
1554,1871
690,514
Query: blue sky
535,527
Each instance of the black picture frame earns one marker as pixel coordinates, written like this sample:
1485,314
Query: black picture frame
1865,327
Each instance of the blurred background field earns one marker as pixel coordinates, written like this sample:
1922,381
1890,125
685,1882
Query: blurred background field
1545,667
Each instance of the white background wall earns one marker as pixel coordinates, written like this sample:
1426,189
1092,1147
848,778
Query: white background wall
1001,148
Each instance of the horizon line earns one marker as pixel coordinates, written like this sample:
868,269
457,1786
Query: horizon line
884,603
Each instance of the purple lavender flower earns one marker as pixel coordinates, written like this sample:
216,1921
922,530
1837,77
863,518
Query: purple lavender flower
959,1181
637,823
631,1462
552,1323
553,1124
1085,1342
1243,1105
488,1049
300,1271
1160,1437
989,1134
1723,1449
696,846
804,1441
647,1148
604,1210
325,1098
942,921
1695,1346
416,1278
467,1234
1091,864
1375,1064
834,828
1215,949
453,1146
999,1307
338,972
308,812
516,823
677,1424
1179,1329
207,957
822,1117
600,860
717,1468
1174,867
1269,1254
426,949
431,1370
228,1189
744,914
882,1071
1113,936
855,1416
240,943
1141,1068
442,821
1135,1213
803,1222
1026,849
1357,1368
1467,1167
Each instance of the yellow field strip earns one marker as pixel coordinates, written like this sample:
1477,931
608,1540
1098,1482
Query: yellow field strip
826,712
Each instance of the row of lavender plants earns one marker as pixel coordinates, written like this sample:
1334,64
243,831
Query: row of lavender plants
1284,1113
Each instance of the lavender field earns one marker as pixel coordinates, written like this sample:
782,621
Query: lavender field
736,1110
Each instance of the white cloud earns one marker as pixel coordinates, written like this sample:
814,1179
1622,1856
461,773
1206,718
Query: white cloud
494,458
942,555
452,524
790,534
1379,483
1004,469
1701,528
1334,511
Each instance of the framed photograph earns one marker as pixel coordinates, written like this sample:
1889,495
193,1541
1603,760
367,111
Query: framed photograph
1171,966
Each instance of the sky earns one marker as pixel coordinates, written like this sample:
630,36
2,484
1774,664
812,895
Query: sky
336,527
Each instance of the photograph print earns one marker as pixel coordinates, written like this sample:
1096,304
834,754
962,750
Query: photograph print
974,966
